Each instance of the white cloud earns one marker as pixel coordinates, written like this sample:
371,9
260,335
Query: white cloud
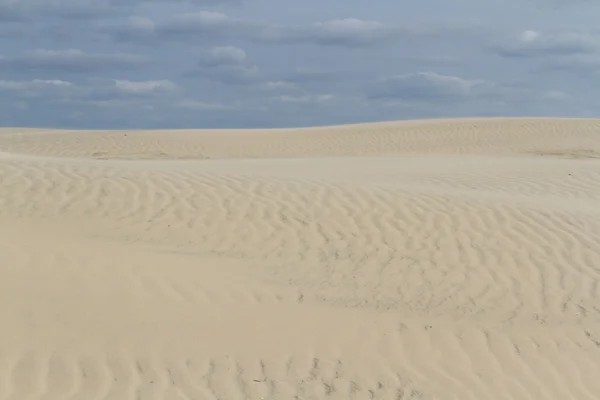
226,64
91,92
13,85
318,98
279,85
63,9
554,50
205,23
224,55
145,87
538,44
529,36
201,105
348,31
72,60
431,87
206,18
41,88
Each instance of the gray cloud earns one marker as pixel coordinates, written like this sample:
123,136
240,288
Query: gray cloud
531,43
278,86
205,24
24,10
93,90
437,88
72,60
40,89
136,29
202,105
558,51
339,32
122,88
187,28
424,86
208,25
306,98
224,55
226,64
19,10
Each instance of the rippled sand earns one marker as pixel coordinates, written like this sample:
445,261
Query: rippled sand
442,259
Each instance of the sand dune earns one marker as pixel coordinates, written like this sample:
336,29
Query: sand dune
443,259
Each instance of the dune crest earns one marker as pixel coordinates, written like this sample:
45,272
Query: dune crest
442,259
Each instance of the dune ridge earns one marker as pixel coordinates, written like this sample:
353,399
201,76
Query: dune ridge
459,136
443,259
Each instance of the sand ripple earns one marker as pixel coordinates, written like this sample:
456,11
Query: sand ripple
415,260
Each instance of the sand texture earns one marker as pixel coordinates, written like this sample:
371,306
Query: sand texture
442,259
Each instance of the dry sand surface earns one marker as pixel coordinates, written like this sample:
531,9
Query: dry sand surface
443,259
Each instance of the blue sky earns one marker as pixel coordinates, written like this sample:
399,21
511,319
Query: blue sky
103,64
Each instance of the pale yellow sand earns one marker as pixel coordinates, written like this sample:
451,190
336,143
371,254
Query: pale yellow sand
450,259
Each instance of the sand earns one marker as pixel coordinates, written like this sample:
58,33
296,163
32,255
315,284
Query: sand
440,259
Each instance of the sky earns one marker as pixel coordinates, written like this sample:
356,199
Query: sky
159,64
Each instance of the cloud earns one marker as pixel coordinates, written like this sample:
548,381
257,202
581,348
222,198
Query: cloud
565,50
40,88
532,43
145,87
135,29
192,27
36,83
224,55
423,86
207,25
278,85
307,98
346,32
226,64
72,60
107,92
201,105
204,24
431,87
24,10
19,10
89,92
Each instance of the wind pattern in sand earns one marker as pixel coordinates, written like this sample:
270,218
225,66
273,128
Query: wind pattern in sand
448,259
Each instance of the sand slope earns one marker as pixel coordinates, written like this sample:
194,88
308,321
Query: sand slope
449,259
